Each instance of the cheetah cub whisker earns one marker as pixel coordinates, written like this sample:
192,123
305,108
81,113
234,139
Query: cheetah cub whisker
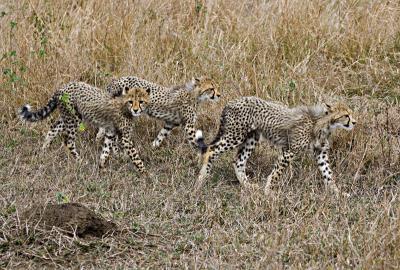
248,119
77,102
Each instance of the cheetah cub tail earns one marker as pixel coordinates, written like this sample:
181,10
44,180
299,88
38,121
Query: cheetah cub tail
200,141
24,111
26,114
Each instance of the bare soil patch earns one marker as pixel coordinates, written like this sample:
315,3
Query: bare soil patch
73,218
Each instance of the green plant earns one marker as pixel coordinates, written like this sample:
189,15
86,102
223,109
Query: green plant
14,67
65,100
61,198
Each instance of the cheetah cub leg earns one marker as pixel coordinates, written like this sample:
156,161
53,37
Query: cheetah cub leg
109,140
323,165
191,133
129,149
55,129
100,134
209,157
164,132
115,146
205,169
283,162
70,127
243,155
212,153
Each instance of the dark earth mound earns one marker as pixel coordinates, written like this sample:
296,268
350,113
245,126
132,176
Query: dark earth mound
70,217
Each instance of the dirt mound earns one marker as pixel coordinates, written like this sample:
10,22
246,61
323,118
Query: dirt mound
69,217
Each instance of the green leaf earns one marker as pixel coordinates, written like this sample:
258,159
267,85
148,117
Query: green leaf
14,77
4,56
66,102
135,227
2,14
13,24
292,85
13,53
22,68
81,127
43,41
198,7
42,52
61,198
7,71
64,98
11,144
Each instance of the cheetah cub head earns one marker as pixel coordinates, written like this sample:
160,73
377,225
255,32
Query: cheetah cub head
205,89
135,101
340,116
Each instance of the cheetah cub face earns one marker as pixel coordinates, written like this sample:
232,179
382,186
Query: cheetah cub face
206,89
341,116
136,101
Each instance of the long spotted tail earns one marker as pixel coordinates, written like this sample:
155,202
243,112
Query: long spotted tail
200,141
26,114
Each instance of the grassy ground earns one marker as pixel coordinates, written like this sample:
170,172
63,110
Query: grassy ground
296,52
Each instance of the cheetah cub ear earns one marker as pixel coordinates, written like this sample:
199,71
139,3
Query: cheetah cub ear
328,108
191,84
125,90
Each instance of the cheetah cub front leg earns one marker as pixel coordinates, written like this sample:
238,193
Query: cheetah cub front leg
322,159
108,143
130,150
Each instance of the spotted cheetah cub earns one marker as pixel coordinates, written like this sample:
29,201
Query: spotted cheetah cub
175,106
248,119
79,101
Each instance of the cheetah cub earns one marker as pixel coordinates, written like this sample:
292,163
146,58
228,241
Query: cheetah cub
79,101
248,119
176,106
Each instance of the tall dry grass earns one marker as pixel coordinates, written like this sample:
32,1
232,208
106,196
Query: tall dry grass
296,52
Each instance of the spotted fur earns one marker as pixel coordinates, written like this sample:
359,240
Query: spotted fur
175,106
248,119
78,101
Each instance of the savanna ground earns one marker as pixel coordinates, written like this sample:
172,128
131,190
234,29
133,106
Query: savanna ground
296,52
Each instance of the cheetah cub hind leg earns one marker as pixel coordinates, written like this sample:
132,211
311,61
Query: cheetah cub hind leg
100,134
164,133
56,128
243,155
283,162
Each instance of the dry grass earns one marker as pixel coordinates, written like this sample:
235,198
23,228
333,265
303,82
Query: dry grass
297,52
